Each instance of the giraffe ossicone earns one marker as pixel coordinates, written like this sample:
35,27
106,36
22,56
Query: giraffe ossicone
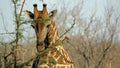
51,56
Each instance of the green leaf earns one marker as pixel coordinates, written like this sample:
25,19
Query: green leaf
18,4
20,35
52,60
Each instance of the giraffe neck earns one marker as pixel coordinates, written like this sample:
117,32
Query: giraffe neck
53,38
52,33
52,57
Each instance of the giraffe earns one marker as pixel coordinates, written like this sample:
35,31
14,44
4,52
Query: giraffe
52,53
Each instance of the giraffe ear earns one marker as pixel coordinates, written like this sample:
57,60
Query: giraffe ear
52,13
29,14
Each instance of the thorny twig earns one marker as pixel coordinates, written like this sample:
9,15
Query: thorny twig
21,9
17,19
68,29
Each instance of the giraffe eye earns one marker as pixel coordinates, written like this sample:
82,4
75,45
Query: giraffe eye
48,26
39,17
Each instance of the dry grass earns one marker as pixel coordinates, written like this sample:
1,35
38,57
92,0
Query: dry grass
27,51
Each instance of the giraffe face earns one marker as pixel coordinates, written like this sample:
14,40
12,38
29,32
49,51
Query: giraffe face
42,21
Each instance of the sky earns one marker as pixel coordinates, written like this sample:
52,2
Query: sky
7,18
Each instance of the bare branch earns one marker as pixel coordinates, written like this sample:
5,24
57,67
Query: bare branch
21,9
68,29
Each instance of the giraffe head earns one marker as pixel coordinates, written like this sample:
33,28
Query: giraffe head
41,23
